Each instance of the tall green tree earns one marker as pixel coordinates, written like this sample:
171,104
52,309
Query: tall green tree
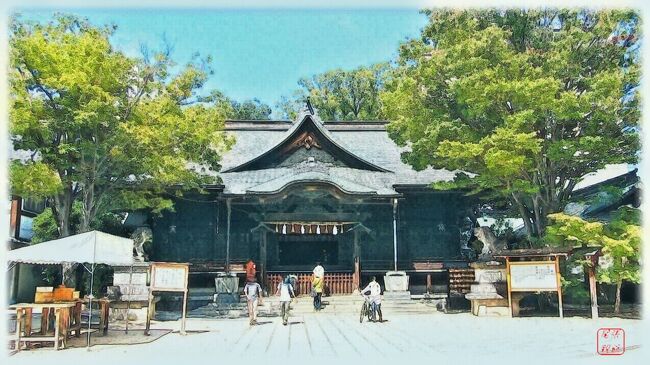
528,101
620,240
105,129
250,109
340,94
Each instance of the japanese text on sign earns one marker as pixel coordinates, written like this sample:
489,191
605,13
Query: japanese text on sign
538,276
167,278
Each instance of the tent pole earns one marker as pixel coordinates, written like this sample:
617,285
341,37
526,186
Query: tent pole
90,305
128,302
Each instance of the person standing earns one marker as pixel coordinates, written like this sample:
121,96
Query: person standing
285,290
374,293
253,292
317,291
319,271
251,270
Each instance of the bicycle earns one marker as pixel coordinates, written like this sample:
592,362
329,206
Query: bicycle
366,309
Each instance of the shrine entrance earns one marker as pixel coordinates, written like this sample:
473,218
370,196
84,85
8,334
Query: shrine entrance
308,250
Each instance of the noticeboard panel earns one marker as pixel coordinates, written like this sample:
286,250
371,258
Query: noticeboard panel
169,276
533,276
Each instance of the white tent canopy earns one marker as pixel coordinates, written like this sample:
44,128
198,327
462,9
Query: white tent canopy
92,247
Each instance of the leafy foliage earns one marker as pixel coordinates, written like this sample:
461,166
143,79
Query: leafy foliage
568,230
251,109
340,94
103,127
34,179
620,240
46,229
528,101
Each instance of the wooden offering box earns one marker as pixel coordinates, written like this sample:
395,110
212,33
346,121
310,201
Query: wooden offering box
44,294
63,294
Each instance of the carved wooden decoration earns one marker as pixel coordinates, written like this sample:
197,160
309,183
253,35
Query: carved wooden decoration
306,140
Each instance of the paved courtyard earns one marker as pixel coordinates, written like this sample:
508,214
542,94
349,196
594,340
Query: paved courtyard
323,336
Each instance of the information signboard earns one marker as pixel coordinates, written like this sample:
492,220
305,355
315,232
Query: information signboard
167,277
533,276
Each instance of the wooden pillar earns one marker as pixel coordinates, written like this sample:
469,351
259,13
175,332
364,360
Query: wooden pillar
357,249
428,283
184,309
559,286
14,218
356,279
150,313
228,212
263,282
508,280
395,234
591,270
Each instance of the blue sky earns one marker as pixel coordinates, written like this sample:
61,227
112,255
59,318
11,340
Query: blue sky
261,53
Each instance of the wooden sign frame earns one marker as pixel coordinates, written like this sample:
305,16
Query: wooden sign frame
558,281
532,263
156,268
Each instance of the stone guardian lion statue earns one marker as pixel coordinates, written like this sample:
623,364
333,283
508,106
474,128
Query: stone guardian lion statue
491,243
141,236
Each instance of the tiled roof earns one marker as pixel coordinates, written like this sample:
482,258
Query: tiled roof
367,140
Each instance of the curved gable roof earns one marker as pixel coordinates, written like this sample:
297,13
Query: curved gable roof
306,133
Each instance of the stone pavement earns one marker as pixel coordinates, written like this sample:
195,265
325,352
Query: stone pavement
321,336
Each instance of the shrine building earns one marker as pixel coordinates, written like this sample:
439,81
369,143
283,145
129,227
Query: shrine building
296,193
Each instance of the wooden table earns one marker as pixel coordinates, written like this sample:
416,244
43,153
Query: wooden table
62,313
104,306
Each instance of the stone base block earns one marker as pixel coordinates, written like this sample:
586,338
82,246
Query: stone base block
397,295
396,281
135,314
490,307
493,311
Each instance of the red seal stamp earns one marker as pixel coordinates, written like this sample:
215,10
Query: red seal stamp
610,341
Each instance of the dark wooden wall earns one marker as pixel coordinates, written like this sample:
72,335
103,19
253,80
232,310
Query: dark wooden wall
427,230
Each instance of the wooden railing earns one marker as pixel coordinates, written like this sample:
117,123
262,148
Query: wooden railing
335,283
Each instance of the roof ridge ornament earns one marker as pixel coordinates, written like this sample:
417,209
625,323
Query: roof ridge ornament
308,110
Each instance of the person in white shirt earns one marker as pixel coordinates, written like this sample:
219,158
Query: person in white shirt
373,290
285,290
319,271
253,292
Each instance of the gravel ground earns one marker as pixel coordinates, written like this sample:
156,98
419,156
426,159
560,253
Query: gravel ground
320,337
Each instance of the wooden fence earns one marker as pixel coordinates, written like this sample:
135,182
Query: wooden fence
335,283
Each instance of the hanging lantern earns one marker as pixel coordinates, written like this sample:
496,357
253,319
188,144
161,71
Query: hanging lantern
302,229
293,228
276,228
309,229
318,229
284,229
335,230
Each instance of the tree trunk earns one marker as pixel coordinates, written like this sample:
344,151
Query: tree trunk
88,209
617,303
525,215
63,210
539,217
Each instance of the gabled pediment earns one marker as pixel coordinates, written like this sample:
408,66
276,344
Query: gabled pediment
306,138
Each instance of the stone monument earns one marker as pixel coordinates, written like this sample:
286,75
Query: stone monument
488,294
396,286
131,291
226,288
